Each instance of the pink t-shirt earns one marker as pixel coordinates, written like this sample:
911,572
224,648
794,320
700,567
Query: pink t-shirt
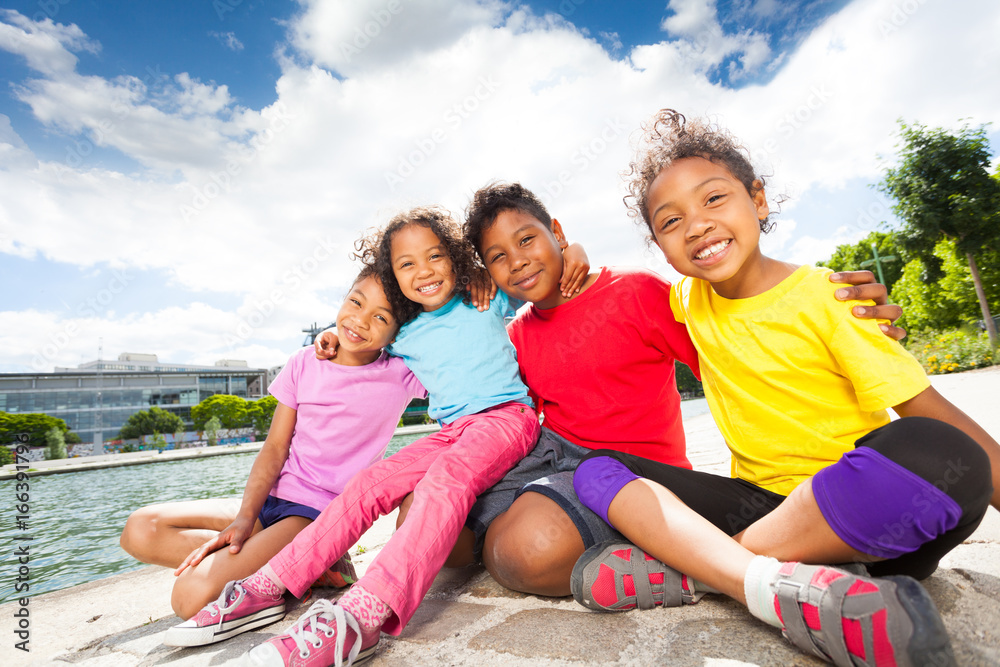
345,418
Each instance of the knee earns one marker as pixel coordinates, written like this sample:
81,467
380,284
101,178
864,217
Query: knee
533,559
404,508
140,532
189,595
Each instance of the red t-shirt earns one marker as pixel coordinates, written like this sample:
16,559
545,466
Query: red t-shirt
601,367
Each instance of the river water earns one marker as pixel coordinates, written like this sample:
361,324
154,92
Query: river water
74,519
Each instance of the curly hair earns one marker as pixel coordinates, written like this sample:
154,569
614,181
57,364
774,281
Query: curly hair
670,137
375,250
495,198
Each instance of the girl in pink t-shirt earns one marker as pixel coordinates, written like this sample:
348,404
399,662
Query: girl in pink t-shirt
333,419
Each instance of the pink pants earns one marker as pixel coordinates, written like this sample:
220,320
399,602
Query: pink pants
445,471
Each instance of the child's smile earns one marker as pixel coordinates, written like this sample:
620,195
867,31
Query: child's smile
365,323
708,225
524,257
422,267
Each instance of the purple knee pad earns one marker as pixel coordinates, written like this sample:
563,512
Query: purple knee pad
879,507
598,480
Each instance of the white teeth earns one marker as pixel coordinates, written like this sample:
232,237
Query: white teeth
428,288
712,249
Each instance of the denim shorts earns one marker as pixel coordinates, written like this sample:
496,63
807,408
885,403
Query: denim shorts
548,469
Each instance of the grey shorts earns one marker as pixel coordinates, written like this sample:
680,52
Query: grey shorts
548,469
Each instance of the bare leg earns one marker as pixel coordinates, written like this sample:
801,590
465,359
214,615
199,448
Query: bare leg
199,585
166,533
533,546
464,551
656,521
797,531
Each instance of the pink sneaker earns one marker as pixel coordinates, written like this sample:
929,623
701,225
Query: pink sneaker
320,638
236,611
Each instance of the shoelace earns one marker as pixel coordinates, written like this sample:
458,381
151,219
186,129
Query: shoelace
317,618
224,605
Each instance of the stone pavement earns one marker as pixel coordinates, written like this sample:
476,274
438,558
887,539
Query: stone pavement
468,619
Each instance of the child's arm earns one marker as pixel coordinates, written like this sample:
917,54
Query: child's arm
482,289
326,345
266,468
929,403
576,267
861,287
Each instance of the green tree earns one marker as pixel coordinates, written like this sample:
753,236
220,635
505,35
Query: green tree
687,384
260,413
952,301
231,411
158,442
860,256
35,424
55,445
212,427
147,422
943,190
6,456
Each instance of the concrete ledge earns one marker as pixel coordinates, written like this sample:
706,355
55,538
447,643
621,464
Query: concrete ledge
469,619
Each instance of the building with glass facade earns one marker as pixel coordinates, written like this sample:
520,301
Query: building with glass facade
99,396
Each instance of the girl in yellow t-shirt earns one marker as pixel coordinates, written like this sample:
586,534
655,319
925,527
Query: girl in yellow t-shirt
799,389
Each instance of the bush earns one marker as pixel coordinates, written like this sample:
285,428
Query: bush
951,351
6,456
55,445
212,427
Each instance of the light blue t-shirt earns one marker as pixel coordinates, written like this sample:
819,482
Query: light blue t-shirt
463,357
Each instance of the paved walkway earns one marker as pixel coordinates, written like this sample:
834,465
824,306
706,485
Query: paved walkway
467,619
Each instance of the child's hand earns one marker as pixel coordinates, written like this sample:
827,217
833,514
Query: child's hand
576,267
326,344
235,535
483,289
862,286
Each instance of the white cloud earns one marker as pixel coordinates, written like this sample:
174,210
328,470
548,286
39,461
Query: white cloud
47,46
251,203
14,153
228,40
349,36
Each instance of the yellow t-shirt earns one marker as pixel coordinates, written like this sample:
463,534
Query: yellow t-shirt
793,379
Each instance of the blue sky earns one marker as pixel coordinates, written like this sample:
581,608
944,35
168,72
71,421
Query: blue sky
186,178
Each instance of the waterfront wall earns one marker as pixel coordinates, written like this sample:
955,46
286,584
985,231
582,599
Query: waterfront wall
171,441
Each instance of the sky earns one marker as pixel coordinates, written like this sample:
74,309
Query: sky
187,179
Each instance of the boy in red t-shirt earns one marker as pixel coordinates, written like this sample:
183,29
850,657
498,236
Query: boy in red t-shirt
599,363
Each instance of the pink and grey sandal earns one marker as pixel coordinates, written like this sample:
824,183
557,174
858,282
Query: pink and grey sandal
617,576
860,621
